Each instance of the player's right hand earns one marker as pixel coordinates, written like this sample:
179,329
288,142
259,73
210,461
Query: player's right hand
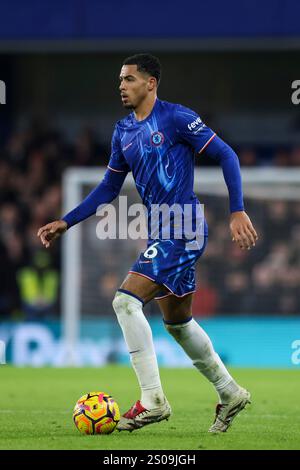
50,232
242,230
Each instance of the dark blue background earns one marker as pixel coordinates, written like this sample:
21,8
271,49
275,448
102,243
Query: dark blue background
91,19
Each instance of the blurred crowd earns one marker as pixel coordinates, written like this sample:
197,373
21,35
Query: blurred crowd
31,166
230,281
264,280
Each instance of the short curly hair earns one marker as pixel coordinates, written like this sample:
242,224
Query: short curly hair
146,63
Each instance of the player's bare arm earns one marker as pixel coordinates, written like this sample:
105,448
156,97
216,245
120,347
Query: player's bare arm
50,232
242,230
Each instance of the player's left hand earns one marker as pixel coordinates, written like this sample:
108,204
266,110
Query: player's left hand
242,230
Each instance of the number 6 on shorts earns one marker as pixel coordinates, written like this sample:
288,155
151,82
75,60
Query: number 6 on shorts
151,252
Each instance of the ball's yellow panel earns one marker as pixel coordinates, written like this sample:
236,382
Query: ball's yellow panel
96,413
83,424
105,426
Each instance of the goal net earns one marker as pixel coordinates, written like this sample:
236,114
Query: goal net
230,281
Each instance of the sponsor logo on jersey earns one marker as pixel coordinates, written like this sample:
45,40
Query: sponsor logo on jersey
194,124
157,138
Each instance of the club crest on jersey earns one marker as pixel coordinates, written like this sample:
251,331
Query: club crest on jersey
157,138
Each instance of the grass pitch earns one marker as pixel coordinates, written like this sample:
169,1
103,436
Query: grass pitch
37,404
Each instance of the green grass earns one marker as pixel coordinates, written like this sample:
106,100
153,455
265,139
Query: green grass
36,410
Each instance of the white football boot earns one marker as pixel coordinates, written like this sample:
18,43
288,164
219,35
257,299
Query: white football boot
225,413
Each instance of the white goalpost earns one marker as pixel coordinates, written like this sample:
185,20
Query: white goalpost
80,252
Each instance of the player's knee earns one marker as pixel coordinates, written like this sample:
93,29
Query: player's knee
118,302
122,303
178,331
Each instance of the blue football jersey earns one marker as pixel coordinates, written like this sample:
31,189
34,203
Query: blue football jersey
159,151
